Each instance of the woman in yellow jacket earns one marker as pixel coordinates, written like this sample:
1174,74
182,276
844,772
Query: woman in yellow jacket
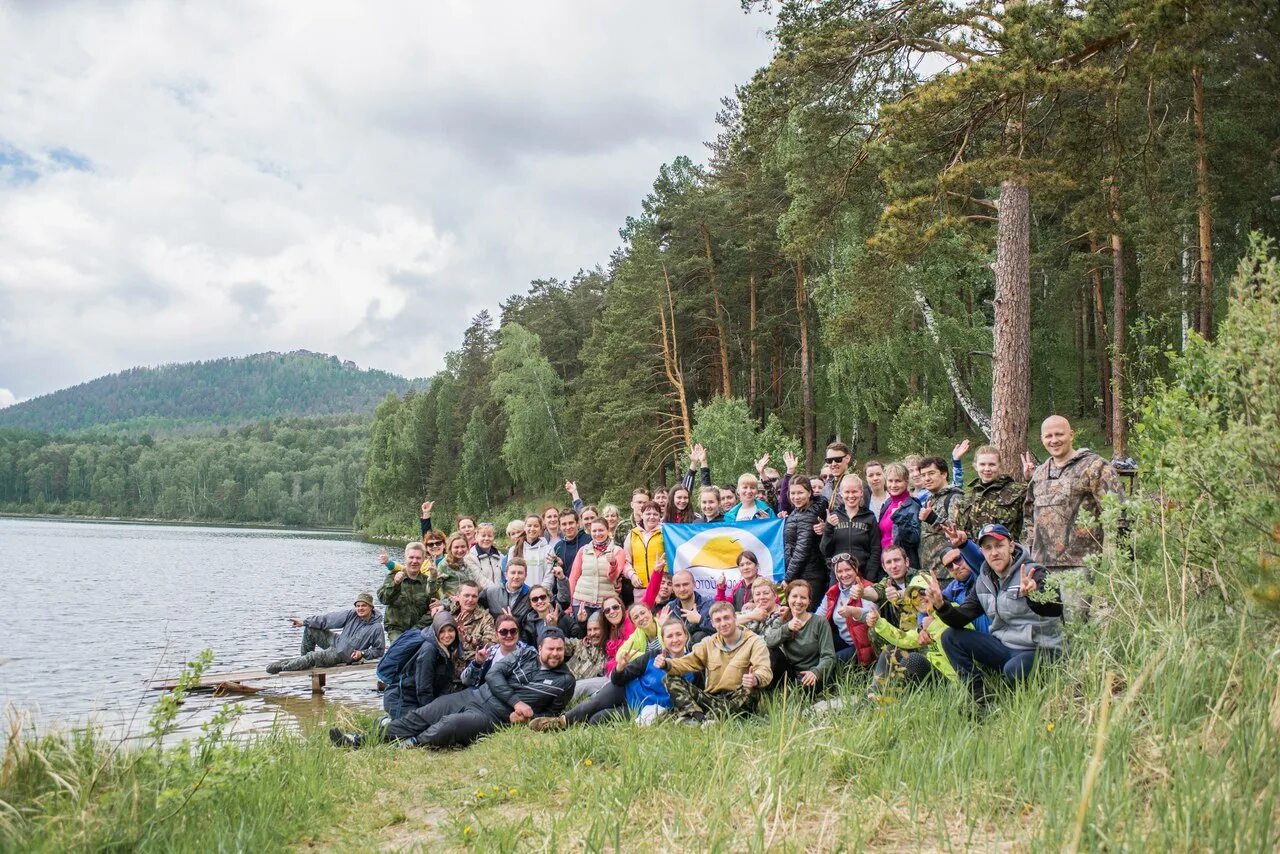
645,549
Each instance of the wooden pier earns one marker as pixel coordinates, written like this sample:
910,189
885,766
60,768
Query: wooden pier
235,682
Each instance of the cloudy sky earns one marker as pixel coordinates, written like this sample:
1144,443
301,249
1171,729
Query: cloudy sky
185,181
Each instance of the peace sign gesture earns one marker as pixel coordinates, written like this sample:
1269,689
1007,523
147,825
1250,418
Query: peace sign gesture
1028,465
1027,583
934,591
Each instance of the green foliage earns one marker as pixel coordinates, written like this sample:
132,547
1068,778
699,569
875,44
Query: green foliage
1208,444
916,429
217,393
531,395
303,471
734,440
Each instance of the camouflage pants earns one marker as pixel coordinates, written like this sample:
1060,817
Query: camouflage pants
897,668
690,701
317,651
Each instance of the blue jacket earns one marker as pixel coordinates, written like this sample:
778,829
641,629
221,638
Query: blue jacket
643,682
731,515
959,592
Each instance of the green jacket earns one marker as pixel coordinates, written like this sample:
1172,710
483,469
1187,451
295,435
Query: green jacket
408,603
811,648
999,501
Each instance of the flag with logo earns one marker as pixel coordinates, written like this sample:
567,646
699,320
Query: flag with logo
710,549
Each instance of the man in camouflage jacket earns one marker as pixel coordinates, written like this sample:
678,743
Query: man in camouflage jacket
475,624
943,503
407,592
1065,487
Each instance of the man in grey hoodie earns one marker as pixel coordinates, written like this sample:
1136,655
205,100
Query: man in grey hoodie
359,638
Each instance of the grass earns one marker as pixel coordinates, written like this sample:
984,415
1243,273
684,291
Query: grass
1177,726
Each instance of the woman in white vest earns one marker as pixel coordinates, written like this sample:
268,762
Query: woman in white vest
596,569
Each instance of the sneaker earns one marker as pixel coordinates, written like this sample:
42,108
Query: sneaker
548,724
343,739
274,667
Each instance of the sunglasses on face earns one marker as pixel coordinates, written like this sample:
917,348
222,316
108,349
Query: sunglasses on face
506,633
537,598
613,609
435,545
955,564
834,460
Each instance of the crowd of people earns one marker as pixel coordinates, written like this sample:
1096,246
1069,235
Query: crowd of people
900,571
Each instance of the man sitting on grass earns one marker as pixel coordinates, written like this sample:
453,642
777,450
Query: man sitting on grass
529,683
1025,626
360,638
735,664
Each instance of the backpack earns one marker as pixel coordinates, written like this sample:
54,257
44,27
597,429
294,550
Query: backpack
400,654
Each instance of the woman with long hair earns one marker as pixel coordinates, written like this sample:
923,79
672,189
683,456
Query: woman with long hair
679,506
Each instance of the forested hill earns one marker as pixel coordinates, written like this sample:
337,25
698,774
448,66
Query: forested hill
217,393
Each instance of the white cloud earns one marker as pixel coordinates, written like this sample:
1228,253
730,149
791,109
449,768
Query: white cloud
181,182
7,398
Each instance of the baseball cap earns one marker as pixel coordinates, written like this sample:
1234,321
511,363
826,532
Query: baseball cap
994,530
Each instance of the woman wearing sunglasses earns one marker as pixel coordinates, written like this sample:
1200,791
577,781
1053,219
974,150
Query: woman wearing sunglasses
508,632
617,628
544,613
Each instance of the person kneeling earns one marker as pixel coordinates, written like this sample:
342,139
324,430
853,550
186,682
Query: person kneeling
526,684
359,638
734,663
912,655
1025,626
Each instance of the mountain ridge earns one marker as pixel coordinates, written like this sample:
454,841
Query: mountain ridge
226,392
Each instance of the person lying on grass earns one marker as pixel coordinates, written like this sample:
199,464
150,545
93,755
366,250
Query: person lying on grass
527,684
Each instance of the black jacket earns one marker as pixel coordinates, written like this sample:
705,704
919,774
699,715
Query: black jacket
860,537
521,678
801,546
429,674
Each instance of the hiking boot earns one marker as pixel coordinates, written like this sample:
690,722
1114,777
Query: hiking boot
548,724
343,739
275,667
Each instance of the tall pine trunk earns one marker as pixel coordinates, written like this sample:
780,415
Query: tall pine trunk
1011,363
722,333
1118,298
1205,320
1100,335
753,346
806,373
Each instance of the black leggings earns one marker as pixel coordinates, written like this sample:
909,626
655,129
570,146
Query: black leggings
604,705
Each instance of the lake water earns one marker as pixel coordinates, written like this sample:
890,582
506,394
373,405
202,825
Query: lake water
92,610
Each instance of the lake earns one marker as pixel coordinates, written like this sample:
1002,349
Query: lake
92,610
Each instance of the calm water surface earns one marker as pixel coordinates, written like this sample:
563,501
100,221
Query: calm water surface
92,610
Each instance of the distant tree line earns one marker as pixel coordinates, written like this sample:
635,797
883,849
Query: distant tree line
287,471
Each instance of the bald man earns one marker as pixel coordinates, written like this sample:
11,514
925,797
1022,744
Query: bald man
1071,482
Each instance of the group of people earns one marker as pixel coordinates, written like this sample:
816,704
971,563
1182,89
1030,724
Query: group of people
901,571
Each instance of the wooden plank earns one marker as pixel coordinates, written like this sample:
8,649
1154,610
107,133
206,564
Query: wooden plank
210,681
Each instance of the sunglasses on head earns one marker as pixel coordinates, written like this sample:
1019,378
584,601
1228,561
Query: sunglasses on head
506,633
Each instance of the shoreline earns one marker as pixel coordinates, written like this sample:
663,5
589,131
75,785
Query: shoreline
186,523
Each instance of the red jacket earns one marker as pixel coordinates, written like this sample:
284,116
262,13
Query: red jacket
866,653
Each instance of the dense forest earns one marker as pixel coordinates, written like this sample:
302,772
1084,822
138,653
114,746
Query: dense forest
284,471
919,220
217,393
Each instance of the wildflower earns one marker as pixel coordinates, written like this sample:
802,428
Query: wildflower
1049,726
587,763
466,831
513,791
480,796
